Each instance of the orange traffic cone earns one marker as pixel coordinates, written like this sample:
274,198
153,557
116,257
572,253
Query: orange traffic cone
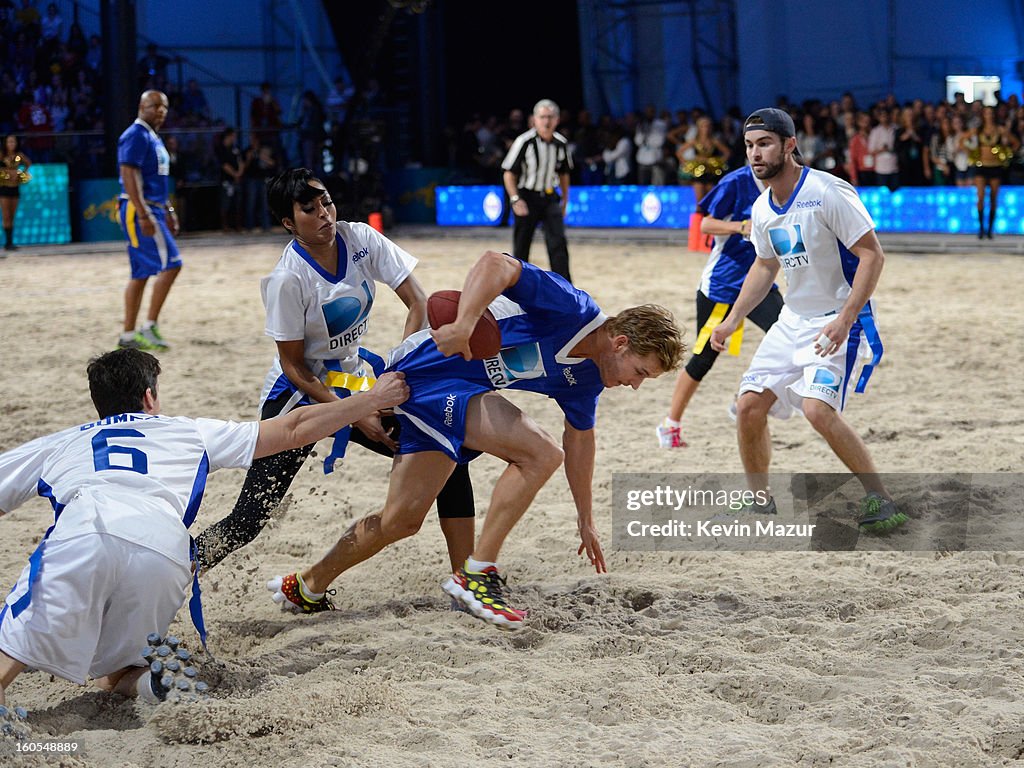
376,221
697,240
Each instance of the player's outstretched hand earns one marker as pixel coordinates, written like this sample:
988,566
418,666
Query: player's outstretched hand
372,427
453,339
390,390
591,544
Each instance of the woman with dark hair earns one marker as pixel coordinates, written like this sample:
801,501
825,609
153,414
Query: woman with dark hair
14,165
318,300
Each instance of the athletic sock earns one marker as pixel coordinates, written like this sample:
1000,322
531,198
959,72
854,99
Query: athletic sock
127,335
477,566
148,324
304,591
669,421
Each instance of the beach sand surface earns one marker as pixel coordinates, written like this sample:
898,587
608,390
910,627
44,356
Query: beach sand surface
716,658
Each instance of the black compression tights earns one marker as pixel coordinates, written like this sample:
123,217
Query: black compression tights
267,482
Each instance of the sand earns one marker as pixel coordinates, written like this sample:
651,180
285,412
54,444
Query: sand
674,658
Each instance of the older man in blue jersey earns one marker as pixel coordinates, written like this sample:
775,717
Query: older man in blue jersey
557,342
148,221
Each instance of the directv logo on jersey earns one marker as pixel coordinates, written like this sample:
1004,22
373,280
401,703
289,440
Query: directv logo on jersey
788,243
449,410
351,337
360,255
347,317
514,363
826,383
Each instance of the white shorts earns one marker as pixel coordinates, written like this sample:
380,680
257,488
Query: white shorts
787,364
95,601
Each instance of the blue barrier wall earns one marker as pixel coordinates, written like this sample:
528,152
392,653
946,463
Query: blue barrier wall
98,207
913,209
43,216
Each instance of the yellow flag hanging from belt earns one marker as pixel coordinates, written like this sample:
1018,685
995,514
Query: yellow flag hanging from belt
340,380
717,316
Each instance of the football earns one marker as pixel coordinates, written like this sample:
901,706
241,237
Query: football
443,308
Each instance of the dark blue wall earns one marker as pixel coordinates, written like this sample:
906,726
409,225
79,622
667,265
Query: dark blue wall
802,49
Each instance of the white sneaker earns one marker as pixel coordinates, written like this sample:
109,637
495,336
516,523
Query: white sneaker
669,437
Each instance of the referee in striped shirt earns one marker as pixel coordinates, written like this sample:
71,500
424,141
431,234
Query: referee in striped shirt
536,179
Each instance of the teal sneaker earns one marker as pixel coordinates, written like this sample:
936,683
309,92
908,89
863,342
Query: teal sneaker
136,341
879,514
153,337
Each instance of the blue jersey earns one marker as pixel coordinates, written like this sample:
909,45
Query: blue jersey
729,200
141,147
542,318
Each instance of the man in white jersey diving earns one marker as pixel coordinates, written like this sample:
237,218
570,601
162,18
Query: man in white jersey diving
814,226
114,568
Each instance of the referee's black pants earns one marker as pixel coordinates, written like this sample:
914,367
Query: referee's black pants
546,209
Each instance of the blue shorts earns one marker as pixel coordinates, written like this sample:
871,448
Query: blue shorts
434,416
148,255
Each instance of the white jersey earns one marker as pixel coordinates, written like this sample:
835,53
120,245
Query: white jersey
330,313
811,236
135,476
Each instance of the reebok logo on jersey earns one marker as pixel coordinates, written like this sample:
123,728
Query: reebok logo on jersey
567,372
360,255
808,204
449,410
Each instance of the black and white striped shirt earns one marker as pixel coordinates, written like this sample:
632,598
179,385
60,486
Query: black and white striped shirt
538,163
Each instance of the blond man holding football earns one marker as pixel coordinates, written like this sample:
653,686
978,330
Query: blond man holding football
554,340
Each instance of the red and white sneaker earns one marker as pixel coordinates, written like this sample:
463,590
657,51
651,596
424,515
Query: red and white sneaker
286,592
483,594
669,437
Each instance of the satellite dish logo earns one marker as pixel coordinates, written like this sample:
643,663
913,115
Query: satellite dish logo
346,312
826,382
492,206
650,208
514,363
787,240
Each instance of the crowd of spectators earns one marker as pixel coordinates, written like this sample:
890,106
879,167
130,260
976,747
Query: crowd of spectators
49,74
50,94
887,143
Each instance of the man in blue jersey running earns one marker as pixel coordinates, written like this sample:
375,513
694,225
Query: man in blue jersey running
812,225
555,341
726,210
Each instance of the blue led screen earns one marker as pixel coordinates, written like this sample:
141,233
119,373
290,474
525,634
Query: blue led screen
43,215
913,209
